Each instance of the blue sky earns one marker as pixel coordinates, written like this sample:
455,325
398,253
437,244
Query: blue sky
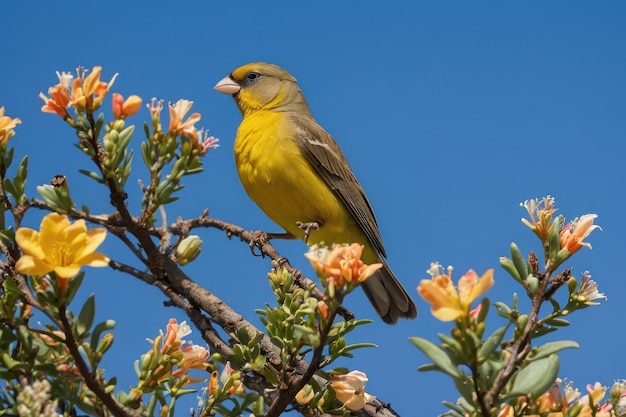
450,113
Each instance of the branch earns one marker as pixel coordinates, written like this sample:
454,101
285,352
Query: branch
116,408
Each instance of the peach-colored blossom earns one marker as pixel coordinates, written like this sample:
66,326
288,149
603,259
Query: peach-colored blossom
125,108
178,111
540,215
350,389
447,303
574,233
88,91
341,264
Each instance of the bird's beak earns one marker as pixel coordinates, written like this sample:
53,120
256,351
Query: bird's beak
227,86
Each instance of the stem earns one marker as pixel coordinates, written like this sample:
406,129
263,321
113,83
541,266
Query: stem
116,408
519,350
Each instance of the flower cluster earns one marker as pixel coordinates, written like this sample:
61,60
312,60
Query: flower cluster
35,400
447,302
341,266
563,400
571,236
85,94
166,364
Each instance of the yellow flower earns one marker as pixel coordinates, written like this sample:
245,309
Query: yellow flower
341,264
447,303
7,124
59,246
125,108
178,111
349,389
573,234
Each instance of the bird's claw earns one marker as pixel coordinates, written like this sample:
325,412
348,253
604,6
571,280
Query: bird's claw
308,227
258,239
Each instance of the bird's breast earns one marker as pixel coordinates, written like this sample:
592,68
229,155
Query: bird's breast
278,177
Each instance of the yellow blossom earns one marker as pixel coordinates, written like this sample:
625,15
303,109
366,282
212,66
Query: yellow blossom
7,124
573,234
59,246
125,108
349,389
447,303
341,264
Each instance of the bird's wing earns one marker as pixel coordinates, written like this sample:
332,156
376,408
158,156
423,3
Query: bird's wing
323,153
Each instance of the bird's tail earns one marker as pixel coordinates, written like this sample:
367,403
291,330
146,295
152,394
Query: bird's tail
388,296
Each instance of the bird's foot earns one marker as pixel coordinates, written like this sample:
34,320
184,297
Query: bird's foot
260,238
308,227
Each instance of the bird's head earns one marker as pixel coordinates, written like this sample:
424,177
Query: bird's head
264,86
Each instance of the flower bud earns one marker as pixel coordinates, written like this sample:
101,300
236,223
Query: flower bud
533,283
522,321
188,249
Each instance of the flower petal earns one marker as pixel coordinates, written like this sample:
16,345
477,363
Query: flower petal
30,265
28,241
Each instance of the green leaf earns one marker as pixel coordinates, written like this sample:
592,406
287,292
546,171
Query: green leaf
518,261
557,322
437,355
98,330
553,347
536,378
509,267
492,342
86,315
465,386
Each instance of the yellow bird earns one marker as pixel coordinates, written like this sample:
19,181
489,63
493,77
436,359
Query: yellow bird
296,173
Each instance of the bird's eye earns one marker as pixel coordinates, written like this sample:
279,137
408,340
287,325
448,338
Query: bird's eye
252,77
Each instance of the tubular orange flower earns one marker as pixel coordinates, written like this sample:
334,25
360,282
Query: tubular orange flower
7,124
447,303
88,92
573,234
125,108
58,101
178,111
341,264
59,246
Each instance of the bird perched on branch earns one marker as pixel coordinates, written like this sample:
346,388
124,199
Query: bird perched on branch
297,174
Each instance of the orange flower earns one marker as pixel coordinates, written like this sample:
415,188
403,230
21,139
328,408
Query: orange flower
58,101
574,233
341,264
59,246
447,303
194,357
88,92
125,108
178,112
7,124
